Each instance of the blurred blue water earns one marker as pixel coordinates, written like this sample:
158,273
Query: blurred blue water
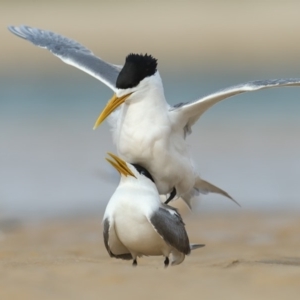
52,162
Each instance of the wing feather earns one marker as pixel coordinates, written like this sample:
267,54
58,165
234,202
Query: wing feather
168,224
186,114
110,238
70,52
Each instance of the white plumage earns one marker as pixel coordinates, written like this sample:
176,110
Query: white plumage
146,129
136,223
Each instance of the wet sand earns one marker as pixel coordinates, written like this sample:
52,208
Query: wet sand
247,256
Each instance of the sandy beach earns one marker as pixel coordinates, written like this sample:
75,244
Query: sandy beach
51,159
247,256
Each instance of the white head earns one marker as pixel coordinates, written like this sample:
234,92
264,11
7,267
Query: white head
137,75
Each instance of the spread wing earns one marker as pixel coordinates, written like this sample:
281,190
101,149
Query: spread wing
70,52
168,224
112,243
186,114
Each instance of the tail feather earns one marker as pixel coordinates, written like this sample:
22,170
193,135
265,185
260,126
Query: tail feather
189,196
177,257
196,246
205,187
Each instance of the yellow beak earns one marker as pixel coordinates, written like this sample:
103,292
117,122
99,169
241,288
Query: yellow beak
120,165
112,104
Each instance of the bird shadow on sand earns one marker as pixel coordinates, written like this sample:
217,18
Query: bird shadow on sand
283,261
234,263
287,261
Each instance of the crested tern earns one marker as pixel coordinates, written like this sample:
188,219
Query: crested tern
146,129
137,223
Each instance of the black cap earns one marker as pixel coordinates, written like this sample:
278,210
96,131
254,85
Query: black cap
143,171
136,68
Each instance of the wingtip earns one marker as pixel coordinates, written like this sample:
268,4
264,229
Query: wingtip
11,28
17,30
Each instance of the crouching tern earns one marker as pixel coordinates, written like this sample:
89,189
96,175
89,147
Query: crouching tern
137,223
146,129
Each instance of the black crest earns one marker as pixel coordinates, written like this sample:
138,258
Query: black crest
143,171
136,68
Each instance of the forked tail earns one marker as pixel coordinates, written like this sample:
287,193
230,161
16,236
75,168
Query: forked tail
204,187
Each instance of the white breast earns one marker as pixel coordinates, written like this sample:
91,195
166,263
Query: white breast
130,208
144,135
157,148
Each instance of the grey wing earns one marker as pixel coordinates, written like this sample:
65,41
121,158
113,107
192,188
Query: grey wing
112,244
186,114
168,224
70,52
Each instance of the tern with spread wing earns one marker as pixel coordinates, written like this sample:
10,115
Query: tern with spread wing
146,129
136,223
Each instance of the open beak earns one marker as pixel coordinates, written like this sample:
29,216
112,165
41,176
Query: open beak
119,164
112,104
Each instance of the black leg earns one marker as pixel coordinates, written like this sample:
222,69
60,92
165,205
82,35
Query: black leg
172,195
134,263
166,262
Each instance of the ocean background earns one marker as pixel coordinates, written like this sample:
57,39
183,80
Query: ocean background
52,162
